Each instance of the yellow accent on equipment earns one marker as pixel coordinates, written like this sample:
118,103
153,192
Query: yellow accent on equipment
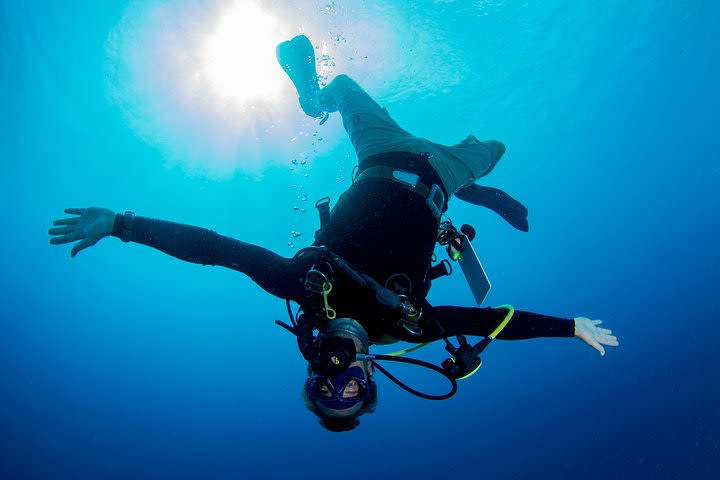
471,373
408,350
503,324
329,311
510,311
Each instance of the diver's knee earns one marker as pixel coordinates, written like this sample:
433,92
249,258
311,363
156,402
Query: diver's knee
343,79
497,149
343,83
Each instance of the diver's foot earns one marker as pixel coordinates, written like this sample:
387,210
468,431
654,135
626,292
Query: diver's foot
297,58
514,212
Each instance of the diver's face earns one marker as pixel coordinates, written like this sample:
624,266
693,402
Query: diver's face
339,413
343,394
352,389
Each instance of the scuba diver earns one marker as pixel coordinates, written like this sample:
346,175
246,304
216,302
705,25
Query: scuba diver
351,293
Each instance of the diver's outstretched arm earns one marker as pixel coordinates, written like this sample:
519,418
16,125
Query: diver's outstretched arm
275,274
90,226
588,331
449,321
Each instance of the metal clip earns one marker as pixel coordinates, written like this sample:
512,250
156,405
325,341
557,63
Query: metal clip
411,317
315,281
329,311
410,326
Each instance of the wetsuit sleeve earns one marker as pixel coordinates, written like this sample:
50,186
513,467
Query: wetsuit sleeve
277,275
451,321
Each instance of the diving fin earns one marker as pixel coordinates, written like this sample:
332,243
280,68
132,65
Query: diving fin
297,58
514,212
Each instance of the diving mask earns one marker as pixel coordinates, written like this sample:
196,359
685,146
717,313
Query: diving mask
336,392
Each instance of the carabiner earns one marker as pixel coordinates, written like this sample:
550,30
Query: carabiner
329,311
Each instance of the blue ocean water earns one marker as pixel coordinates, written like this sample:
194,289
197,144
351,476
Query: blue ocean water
125,363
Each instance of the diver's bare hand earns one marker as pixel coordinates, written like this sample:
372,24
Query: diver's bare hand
588,331
91,225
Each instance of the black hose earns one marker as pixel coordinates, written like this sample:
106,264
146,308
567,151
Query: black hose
420,363
290,313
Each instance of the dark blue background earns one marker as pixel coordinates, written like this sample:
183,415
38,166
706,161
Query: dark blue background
124,363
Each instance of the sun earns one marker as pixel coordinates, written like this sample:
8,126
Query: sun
239,56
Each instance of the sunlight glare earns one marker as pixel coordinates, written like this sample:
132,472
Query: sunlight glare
239,56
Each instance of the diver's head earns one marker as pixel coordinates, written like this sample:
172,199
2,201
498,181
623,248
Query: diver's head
339,396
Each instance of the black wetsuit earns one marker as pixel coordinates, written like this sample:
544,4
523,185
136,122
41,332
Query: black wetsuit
381,228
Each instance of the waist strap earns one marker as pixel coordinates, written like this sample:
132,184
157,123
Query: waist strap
433,194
